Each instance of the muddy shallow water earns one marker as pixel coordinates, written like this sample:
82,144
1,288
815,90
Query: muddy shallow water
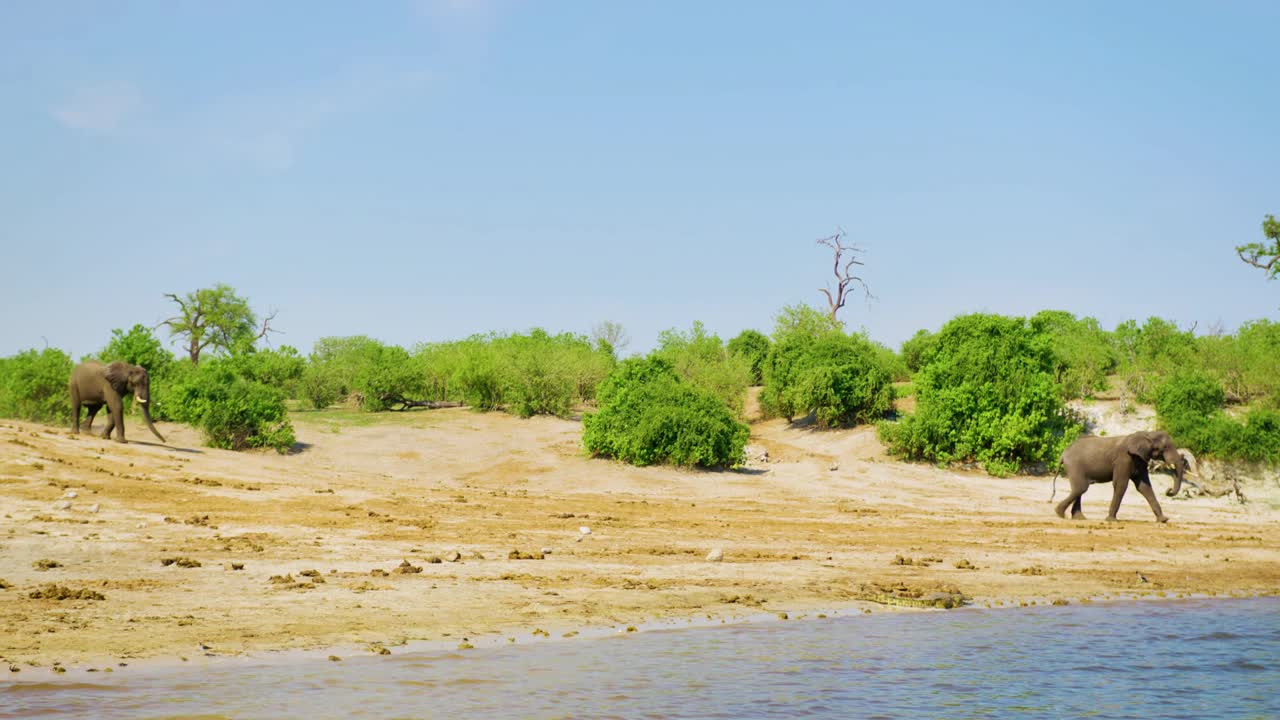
1169,659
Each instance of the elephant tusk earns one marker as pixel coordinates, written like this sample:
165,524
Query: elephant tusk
144,402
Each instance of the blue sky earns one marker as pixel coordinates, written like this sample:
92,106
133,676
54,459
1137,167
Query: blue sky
420,171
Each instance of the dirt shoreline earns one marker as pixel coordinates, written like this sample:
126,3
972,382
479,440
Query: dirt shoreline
822,521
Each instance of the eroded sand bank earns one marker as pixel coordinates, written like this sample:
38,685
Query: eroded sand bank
302,551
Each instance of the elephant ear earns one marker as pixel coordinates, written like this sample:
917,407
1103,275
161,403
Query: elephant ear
117,373
1140,445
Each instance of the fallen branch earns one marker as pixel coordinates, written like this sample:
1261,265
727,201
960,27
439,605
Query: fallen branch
407,403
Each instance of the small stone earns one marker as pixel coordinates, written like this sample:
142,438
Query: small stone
63,505
715,555
834,467
94,508
584,530
453,556
546,551
334,658
70,494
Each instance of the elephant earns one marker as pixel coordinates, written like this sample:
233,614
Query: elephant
93,385
1118,460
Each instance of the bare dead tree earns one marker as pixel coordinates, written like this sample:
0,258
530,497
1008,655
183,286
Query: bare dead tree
845,260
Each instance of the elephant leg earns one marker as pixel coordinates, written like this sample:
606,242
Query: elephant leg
1077,511
115,408
1118,486
1072,500
1144,487
75,409
92,411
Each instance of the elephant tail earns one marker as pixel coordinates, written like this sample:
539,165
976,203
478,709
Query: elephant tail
1055,486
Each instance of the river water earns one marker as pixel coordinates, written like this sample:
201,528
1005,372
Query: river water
1202,659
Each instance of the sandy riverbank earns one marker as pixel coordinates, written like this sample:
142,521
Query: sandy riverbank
826,516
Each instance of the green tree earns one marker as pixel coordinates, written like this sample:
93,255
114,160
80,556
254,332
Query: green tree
215,318
1264,255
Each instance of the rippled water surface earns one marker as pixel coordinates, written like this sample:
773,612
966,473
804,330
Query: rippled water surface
1178,659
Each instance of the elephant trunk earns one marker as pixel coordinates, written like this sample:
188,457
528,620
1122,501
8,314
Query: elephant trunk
1179,469
146,414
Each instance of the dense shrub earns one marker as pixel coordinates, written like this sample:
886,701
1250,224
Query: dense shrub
547,374
233,412
754,347
1083,354
320,385
526,374
814,367
388,376
701,359
890,361
986,394
138,346
1247,364
915,350
1189,406
281,369
331,370
648,414
1150,353
837,377
33,386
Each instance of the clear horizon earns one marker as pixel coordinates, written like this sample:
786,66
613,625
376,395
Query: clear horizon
425,170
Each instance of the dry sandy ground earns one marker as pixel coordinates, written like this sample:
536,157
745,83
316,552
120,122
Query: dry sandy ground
807,530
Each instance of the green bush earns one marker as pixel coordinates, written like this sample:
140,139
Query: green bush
321,386
890,361
388,376
649,414
138,346
754,347
1189,406
233,412
986,394
1151,353
333,366
837,377
1247,363
1083,354
916,349
548,374
166,402
525,374
33,386
701,359
280,369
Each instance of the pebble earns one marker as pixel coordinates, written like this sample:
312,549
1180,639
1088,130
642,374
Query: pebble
584,530
453,556
94,508
546,551
70,494
715,555
63,505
